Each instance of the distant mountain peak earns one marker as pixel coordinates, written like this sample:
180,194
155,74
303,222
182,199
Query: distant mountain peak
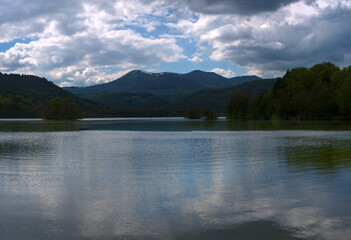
146,72
164,83
197,71
151,73
247,76
133,72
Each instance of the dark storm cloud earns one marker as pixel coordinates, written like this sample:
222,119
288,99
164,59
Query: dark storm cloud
323,38
240,7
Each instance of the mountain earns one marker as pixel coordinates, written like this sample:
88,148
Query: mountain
244,79
140,81
29,85
218,99
22,95
127,100
170,86
208,79
126,104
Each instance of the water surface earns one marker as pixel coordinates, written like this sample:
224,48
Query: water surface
174,179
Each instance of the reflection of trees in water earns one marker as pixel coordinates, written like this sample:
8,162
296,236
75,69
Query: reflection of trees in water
202,125
267,125
39,126
27,145
324,156
242,125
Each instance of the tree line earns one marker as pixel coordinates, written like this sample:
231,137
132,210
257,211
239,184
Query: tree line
320,92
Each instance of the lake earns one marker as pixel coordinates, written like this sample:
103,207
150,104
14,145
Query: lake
170,178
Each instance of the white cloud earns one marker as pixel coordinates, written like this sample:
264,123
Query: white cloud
117,48
269,44
228,73
266,73
89,76
81,35
196,58
94,38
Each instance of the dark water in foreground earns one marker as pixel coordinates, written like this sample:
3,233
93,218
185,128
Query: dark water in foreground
156,179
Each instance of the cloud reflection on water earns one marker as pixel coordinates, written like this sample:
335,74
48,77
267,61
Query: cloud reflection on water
169,185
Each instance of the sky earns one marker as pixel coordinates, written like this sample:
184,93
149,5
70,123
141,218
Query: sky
86,42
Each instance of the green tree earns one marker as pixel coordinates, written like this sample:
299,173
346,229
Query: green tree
61,109
193,113
262,108
209,114
321,92
238,106
344,99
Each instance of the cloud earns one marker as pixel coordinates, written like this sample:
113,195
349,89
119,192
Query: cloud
196,57
228,73
265,37
240,7
19,18
84,38
119,48
284,45
88,76
268,45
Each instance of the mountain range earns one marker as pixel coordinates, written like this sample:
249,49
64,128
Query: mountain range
168,85
321,92
137,93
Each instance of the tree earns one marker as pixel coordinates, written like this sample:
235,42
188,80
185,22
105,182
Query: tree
321,92
262,107
61,109
238,106
209,114
193,113
344,99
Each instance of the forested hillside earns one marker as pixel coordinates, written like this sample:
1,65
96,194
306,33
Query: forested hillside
217,99
169,86
127,100
320,92
23,95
